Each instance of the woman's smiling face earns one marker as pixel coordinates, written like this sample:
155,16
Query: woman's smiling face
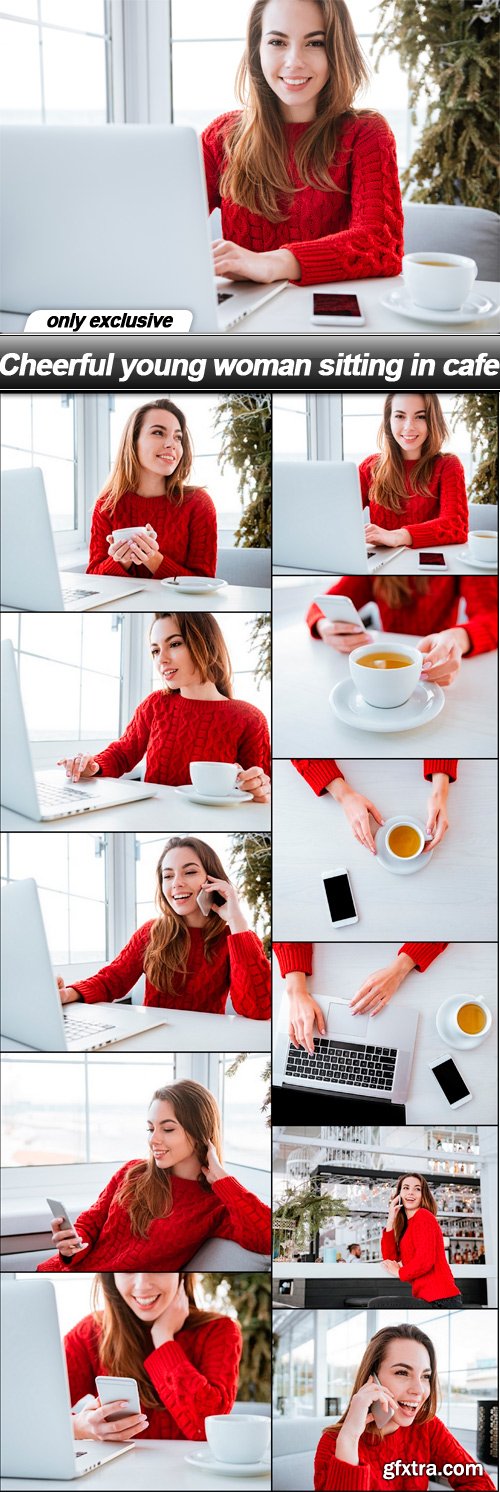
182,878
409,424
293,56
411,1193
147,1294
169,1143
159,443
171,656
406,1372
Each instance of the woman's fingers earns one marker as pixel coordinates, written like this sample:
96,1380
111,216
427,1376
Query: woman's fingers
76,765
375,813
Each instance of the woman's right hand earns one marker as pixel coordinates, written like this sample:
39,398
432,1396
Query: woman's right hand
395,1205
304,1013
94,1423
66,992
342,636
79,766
358,1415
357,810
65,1240
120,552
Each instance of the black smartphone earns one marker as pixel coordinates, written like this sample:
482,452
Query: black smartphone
337,310
451,1081
340,898
429,561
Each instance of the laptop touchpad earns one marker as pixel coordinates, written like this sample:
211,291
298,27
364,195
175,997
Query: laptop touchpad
342,1022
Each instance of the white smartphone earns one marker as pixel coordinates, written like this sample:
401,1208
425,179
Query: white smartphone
111,1389
209,899
431,562
380,1415
58,1210
339,897
450,1081
331,309
339,609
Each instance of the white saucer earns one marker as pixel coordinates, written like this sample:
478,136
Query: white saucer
399,867
462,1042
204,1458
476,308
226,800
195,584
464,555
424,704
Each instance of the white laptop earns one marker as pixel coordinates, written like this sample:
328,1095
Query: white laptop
361,1056
318,520
44,795
37,1434
31,1010
82,247
31,580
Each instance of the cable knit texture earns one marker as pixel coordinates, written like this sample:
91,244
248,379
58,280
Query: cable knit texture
239,967
432,612
429,1444
298,956
425,1266
422,954
227,1210
318,771
173,731
442,518
187,535
354,233
195,1375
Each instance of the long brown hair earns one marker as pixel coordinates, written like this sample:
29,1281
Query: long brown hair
372,1360
399,590
256,173
167,952
125,1341
206,645
125,472
401,1220
388,485
146,1191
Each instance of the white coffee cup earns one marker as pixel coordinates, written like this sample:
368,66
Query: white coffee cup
483,544
386,687
406,823
439,282
453,1023
120,534
241,1438
217,779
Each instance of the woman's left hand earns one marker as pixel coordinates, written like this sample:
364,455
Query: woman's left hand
213,1171
255,781
145,550
442,656
231,911
393,538
236,263
437,819
391,1267
166,1326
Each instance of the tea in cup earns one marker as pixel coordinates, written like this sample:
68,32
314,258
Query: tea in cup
216,779
483,545
439,282
471,1017
385,673
405,840
240,1438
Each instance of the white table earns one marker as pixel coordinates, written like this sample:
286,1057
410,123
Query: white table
154,596
185,1031
453,896
291,311
401,564
166,811
305,670
156,1464
463,967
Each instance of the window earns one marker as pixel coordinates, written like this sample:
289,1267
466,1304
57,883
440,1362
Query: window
236,628
71,874
79,1108
70,674
41,430
291,432
147,853
55,60
362,417
247,1139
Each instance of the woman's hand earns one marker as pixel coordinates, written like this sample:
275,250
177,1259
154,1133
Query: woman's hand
391,537
65,1240
437,818
255,781
231,911
66,992
357,810
395,1206
120,551
79,766
166,1326
443,653
358,1415
380,987
342,636
303,1014
213,1171
94,1423
236,263
145,550
391,1266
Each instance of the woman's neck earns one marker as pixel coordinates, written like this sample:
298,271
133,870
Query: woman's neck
201,691
194,919
150,485
188,1169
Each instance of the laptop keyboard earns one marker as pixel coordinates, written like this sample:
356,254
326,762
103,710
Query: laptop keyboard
57,797
345,1062
69,595
84,1028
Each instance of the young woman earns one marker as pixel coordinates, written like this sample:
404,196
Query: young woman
150,1328
192,717
353,1454
296,963
307,185
147,488
192,960
158,1212
324,776
415,493
412,1244
428,608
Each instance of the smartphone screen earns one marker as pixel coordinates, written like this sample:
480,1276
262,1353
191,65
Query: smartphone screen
339,897
450,1080
437,561
336,305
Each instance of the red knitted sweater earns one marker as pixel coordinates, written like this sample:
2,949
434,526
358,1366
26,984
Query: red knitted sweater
352,233
297,957
174,731
225,1210
195,1375
442,518
239,967
187,535
426,1445
425,1265
318,771
436,609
